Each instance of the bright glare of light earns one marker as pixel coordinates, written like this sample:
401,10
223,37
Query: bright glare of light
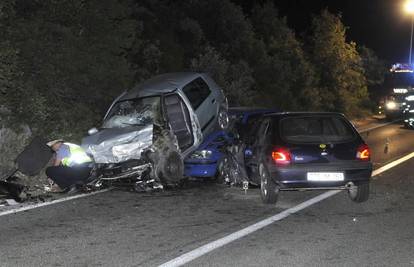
391,105
409,6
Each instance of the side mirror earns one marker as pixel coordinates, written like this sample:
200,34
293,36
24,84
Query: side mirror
92,131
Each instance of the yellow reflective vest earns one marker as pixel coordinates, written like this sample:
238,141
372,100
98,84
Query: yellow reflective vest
77,156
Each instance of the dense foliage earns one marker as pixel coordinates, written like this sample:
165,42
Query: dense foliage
62,62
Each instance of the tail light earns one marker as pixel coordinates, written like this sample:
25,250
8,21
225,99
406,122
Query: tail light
363,152
281,156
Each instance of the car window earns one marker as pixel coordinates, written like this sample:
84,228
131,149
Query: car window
196,91
316,129
179,120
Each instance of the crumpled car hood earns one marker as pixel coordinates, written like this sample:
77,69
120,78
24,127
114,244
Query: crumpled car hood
114,145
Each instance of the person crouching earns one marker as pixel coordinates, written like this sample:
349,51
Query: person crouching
71,166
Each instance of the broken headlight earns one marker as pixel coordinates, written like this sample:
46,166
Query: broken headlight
201,154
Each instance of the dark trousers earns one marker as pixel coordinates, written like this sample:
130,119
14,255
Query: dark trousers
66,176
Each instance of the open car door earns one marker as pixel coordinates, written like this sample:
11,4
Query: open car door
179,119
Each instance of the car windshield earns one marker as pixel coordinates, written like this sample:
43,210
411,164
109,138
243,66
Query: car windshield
316,129
133,112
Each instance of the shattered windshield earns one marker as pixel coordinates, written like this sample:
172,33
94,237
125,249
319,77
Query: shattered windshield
134,112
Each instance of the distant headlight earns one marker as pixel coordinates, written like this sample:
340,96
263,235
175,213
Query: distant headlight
391,105
201,154
411,111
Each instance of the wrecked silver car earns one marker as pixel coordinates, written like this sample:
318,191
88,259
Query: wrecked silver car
149,130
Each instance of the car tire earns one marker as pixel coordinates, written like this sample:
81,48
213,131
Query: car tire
269,190
359,193
171,168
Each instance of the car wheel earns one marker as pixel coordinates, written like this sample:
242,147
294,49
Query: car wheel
359,193
223,119
171,167
269,190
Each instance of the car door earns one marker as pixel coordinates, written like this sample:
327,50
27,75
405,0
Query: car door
179,119
257,148
202,101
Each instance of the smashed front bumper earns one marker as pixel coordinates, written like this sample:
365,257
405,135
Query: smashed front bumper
129,169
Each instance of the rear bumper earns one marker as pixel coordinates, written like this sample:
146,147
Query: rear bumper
296,176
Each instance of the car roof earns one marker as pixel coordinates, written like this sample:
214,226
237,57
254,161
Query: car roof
246,112
251,110
161,84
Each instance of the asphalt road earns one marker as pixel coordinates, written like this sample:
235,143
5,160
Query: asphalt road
120,228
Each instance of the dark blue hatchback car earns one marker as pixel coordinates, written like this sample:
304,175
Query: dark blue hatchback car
309,151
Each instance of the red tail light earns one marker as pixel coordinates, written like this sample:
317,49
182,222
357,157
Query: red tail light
281,156
363,152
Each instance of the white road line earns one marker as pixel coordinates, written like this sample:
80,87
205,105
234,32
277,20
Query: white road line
392,164
43,204
377,126
198,252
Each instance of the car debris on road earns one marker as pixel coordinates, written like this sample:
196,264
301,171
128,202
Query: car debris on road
29,162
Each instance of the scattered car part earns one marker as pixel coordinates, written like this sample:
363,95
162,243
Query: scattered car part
30,162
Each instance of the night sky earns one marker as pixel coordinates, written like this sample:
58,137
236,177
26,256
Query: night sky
379,24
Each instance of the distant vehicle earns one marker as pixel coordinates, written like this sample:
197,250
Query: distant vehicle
394,105
309,151
148,131
399,82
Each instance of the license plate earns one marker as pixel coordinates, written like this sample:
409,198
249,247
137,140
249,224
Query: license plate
325,176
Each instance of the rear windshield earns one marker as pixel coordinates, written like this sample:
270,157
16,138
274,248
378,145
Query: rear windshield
316,129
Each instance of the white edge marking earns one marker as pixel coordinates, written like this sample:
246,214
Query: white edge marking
43,204
392,164
198,252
